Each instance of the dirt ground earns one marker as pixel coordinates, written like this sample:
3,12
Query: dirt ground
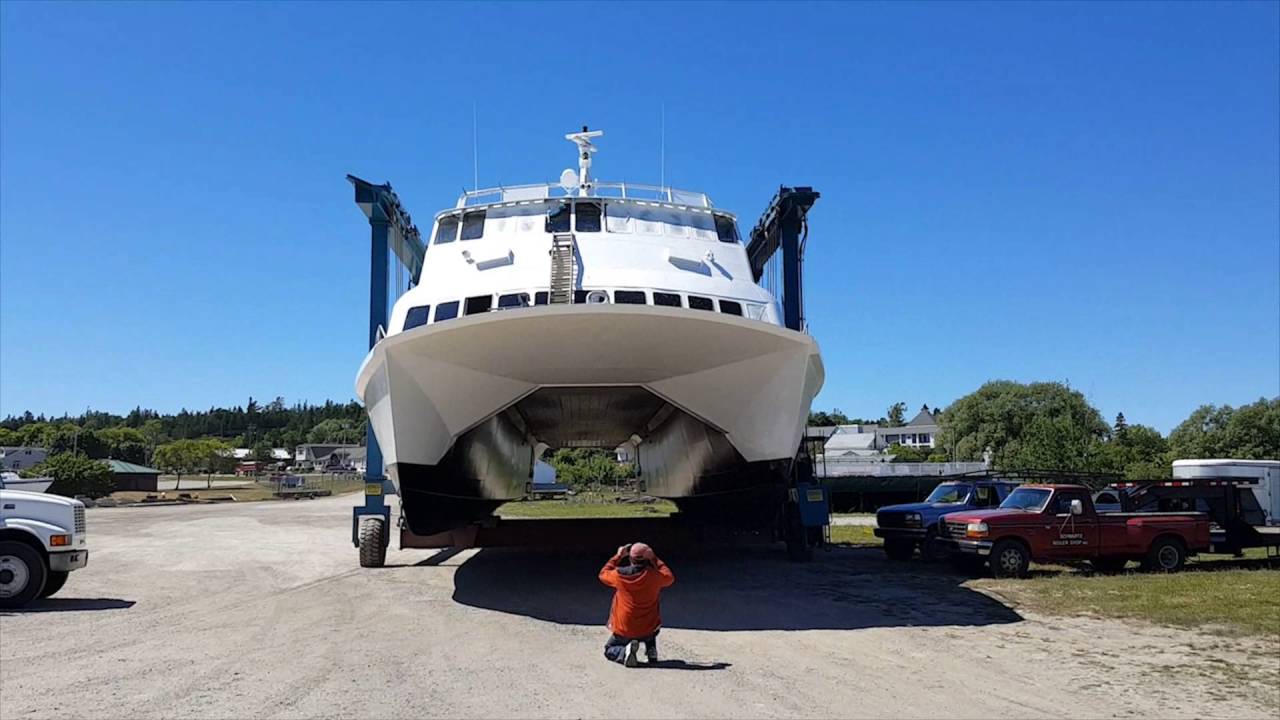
260,610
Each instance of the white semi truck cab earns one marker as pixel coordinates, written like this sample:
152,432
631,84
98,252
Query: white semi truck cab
42,539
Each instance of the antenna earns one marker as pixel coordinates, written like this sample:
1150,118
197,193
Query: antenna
585,150
662,147
475,149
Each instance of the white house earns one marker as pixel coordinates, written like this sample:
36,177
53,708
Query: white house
921,432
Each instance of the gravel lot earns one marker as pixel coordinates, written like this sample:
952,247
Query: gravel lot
260,610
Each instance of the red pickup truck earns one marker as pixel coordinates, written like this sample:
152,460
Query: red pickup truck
1049,523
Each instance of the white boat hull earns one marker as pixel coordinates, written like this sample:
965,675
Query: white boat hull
459,407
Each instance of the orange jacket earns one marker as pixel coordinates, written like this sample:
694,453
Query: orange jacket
634,613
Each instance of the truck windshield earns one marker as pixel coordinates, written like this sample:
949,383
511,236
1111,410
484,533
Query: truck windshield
948,493
1026,499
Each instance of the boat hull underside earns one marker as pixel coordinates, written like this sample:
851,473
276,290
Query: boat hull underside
718,407
682,459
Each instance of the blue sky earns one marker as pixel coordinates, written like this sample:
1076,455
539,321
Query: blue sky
1088,193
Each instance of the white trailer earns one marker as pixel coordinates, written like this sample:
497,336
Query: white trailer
1265,475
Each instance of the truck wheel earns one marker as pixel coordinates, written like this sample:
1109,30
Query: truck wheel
373,551
1009,559
1166,555
899,549
1108,564
54,583
933,550
22,574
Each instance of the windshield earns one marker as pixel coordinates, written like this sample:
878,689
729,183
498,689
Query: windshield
948,493
1026,499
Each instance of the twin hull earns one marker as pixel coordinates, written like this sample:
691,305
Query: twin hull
460,409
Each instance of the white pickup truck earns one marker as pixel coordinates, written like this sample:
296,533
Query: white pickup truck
42,539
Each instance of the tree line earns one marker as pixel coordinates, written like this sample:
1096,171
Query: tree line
1050,426
136,436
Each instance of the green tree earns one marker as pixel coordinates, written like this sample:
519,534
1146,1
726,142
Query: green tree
896,415
1043,425
124,443
336,430
1250,432
10,438
262,453
905,453
180,457
74,474
580,468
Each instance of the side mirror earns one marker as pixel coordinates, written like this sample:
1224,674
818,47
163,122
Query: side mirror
1077,507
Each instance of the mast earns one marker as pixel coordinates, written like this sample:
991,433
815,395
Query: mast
585,151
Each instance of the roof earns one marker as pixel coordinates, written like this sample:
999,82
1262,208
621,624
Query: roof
924,417
122,467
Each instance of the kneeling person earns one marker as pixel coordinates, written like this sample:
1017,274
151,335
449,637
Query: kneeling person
634,617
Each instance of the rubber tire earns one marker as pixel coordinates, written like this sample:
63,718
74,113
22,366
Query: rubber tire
54,582
798,549
1109,565
373,550
1009,559
932,550
899,550
968,564
36,572
1154,563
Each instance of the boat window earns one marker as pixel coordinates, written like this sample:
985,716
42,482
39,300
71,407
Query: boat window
579,297
618,218
447,229
725,229
479,304
700,303
513,300
417,316
542,297
473,225
558,218
629,297
675,224
588,217
731,307
447,311
668,299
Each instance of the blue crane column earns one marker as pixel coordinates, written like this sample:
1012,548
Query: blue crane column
391,229
806,513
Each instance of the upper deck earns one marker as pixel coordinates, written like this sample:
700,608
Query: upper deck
501,195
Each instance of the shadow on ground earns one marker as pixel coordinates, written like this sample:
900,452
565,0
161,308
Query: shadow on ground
71,605
745,589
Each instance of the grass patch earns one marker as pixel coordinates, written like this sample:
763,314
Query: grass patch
587,505
251,491
855,535
1226,601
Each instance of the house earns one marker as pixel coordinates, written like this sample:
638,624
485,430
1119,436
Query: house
21,457
851,440
130,476
344,459
921,432
309,456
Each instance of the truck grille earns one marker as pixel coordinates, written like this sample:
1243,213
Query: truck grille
956,529
891,520
79,510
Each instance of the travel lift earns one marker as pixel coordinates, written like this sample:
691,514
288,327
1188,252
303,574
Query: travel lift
803,523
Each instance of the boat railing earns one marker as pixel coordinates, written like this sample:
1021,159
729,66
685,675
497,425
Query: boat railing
602,189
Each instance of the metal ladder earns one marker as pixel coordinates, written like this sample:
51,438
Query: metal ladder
564,269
